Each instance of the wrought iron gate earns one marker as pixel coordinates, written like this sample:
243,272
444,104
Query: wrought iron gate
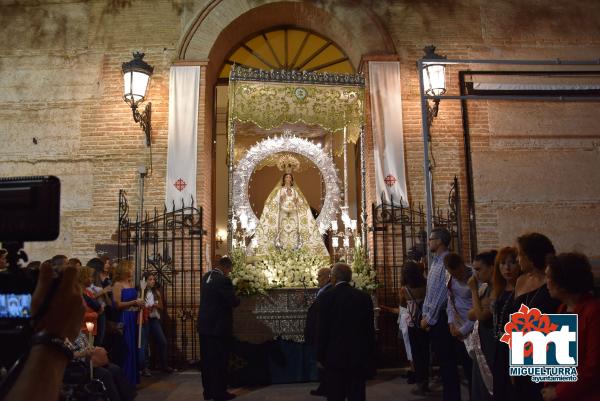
399,232
169,244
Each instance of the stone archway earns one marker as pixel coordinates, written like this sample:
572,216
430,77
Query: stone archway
222,25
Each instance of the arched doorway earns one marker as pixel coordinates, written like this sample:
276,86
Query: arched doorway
216,35
220,27
278,48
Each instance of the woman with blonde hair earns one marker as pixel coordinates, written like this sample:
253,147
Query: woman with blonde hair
92,307
126,301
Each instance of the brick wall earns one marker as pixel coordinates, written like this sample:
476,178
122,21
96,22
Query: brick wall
61,84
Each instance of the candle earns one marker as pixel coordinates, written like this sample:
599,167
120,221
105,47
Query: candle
353,225
90,329
346,242
244,220
334,226
345,218
334,242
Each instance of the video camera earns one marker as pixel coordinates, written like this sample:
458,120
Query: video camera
29,211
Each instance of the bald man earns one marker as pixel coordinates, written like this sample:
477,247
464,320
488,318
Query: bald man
310,329
345,336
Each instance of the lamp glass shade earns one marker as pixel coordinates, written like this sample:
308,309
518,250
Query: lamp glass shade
434,79
135,86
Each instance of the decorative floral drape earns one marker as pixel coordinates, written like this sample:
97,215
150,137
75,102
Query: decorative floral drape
268,104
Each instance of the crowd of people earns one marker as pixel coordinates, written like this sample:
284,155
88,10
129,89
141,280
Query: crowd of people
459,313
107,341
452,314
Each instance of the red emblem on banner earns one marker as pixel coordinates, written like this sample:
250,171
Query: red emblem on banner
390,180
180,185
526,320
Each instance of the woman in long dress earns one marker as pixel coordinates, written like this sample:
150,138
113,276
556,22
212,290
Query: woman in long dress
287,222
530,289
125,298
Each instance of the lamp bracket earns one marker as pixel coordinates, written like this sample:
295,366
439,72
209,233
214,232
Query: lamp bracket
432,112
145,120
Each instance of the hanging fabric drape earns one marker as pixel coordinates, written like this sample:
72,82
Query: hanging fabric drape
270,99
184,89
388,138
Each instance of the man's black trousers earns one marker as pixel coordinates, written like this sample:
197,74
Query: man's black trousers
214,353
345,384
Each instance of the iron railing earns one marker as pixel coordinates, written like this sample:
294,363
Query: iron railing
399,232
170,244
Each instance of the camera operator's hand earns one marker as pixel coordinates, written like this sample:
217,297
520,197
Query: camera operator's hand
63,320
65,313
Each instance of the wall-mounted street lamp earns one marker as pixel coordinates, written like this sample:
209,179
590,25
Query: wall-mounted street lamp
434,80
136,77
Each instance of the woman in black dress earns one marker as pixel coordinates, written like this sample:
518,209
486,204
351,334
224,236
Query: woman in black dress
531,290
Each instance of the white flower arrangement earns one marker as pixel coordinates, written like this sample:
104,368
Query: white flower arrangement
364,276
278,269
246,279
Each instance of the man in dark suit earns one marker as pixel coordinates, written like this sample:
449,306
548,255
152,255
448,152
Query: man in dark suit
215,327
310,328
345,336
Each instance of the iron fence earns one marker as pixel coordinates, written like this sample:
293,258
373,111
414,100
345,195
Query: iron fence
399,232
169,244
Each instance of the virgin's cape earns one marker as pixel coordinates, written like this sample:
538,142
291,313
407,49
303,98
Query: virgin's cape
297,229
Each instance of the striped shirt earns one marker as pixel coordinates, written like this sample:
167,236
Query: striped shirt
437,291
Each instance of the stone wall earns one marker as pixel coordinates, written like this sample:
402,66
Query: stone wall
535,164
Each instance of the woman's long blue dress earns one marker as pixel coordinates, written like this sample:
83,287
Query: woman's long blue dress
129,320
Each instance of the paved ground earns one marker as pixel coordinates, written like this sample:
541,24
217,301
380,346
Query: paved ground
186,386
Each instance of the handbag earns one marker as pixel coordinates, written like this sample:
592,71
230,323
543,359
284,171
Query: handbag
415,315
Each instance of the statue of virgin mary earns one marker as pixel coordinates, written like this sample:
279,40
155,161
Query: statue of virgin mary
287,222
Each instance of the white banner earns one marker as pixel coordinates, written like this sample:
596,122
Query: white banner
388,138
184,89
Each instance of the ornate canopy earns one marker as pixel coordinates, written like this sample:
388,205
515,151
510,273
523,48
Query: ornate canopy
270,99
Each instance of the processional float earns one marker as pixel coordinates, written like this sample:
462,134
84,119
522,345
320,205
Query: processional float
307,115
